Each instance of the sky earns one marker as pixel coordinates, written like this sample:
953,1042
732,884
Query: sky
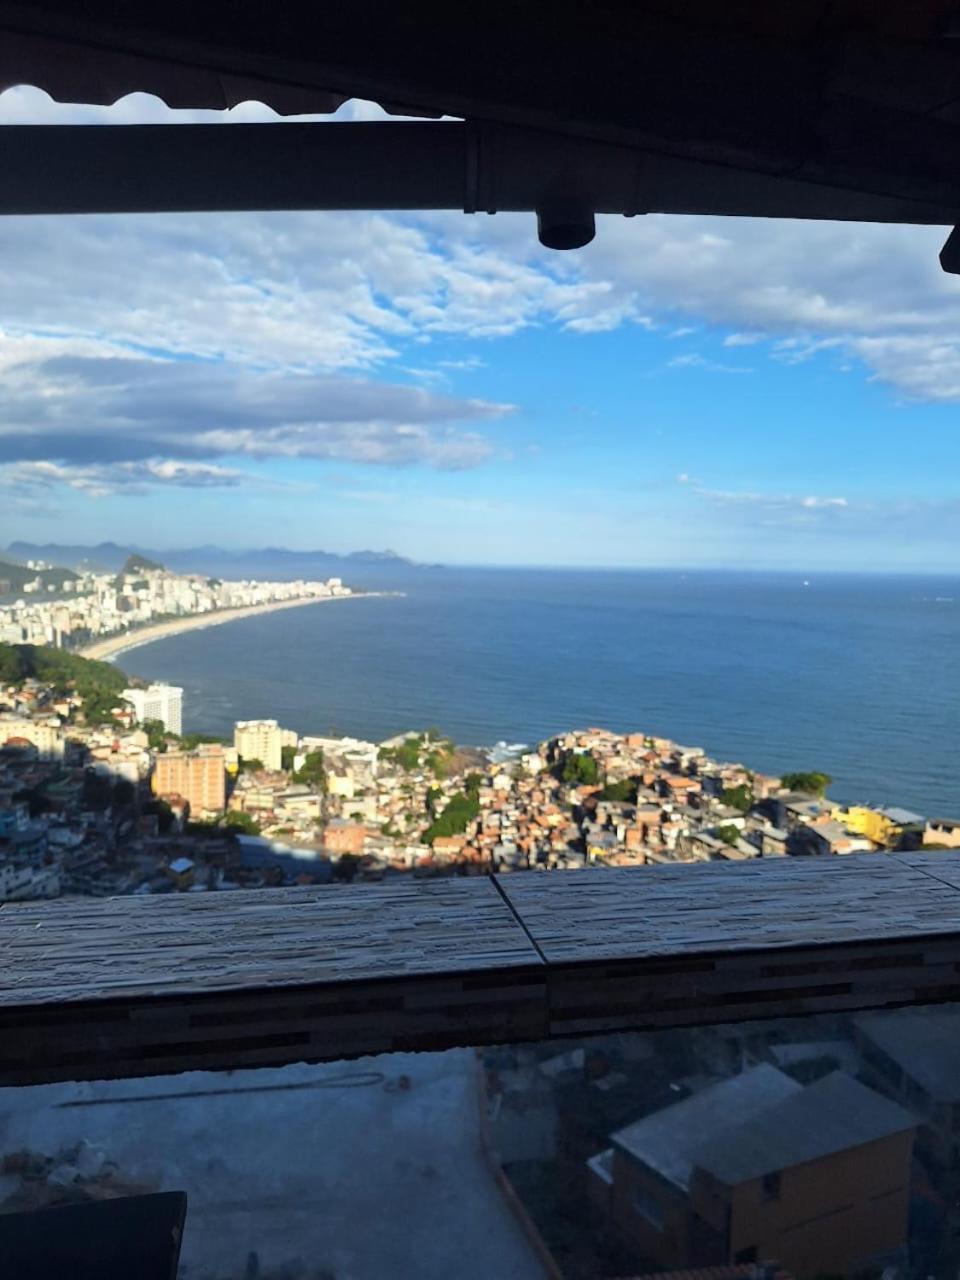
685,391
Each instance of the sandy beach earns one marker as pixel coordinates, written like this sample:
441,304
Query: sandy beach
112,646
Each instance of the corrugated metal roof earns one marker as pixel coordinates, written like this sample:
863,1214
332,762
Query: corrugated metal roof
832,1115
668,1140
82,73
70,72
758,1122
926,1045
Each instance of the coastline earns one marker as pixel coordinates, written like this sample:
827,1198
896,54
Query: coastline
112,646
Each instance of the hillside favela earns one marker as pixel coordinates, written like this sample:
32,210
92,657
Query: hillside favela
103,794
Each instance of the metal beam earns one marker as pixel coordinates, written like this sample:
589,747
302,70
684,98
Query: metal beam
396,166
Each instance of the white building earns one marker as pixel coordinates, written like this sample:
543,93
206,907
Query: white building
259,740
163,702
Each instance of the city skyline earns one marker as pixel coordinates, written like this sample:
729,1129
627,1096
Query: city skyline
686,392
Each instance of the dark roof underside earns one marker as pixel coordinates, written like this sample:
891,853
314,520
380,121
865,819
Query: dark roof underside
859,94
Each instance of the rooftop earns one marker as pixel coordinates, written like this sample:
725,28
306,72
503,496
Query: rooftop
835,1113
925,1046
670,1140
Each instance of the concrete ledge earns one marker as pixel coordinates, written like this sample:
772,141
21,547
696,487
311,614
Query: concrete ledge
94,988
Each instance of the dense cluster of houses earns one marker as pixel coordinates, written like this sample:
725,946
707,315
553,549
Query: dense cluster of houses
109,808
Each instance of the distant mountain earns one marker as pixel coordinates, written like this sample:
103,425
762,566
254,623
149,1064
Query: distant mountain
264,562
136,563
107,557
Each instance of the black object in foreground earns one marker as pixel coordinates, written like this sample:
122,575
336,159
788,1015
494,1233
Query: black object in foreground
106,1240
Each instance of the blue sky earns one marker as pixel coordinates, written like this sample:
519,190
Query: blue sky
683,392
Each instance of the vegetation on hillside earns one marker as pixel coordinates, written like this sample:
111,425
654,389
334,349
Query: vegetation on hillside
162,739
429,752
242,823
312,772
812,784
740,797
728,833
580,770
233,823
623,792
99,684
18,575
459,811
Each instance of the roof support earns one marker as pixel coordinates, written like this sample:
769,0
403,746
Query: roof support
474,167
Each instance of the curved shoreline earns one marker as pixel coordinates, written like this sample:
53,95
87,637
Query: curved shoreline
114,645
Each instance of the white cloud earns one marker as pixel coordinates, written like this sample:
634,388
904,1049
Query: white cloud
466,365
89,410
773,504
98,480
811,502
694,361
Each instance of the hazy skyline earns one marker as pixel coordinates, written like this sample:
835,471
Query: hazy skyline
685,391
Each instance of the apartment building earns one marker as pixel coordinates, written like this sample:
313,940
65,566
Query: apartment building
259,740
163,702
198,776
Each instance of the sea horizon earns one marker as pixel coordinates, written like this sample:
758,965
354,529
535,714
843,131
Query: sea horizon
847,675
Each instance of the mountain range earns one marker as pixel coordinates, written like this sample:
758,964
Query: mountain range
278,563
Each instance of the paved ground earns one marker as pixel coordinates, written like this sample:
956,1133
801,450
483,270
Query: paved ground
345,1176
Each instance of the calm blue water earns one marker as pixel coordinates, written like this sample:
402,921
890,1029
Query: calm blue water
857,676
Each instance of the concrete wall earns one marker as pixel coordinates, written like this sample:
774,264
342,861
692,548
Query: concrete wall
832,1215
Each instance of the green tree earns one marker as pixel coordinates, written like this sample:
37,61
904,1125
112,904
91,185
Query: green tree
190,741
438,762
251,765
408,754
740,797
433,795
624,792
580,769
99,684
813,784
156,734
459,811
728,834
312,772
242,822
287,757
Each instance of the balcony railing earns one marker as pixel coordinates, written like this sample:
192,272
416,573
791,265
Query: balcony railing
139,986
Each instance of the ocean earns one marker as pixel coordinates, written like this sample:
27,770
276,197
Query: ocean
857,676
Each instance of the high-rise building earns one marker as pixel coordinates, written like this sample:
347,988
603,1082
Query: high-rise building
259,740
198,776
163,702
